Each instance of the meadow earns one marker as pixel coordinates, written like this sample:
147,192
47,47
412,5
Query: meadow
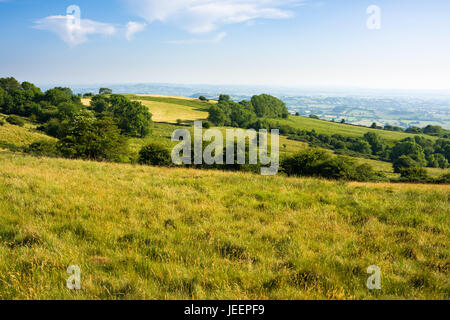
154,233
13,137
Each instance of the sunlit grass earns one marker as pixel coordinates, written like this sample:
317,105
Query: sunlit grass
155,233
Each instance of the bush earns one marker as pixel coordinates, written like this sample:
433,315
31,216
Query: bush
2,123
15,120
155,154
414,174
445,179
94,139
207,125
315,162
404,162
304,163
43,148
202,98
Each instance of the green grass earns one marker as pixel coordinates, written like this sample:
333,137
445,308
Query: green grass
12,137
155,233
169,110
330,128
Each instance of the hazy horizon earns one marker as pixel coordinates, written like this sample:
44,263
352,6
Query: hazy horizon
276,43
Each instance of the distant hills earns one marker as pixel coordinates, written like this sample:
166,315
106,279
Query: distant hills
355,105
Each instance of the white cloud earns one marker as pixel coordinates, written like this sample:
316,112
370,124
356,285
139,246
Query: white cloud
216,39
72,33
134,27
200,16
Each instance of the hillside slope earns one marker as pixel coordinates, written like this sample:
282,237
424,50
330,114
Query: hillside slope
348,130
154,233
12,136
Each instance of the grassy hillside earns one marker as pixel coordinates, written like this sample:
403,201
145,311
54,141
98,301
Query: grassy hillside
167,110
327,127
153,233
12,136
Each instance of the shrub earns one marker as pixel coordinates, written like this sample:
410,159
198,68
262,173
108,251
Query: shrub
304,163
315,162
156,155
43,148
202,98
404,162
414,174
207,125
2,123
93,139
15,120
337,168
445,179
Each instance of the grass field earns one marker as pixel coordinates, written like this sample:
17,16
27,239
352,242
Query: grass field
169,109
330,128
14,136
154,233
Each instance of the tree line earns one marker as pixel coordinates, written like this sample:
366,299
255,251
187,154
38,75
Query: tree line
244,114
98,132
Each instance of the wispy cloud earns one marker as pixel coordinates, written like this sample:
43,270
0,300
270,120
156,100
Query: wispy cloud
134,27
216,39
73,33
201,16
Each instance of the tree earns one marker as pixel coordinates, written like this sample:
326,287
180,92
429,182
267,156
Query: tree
106,91
99,103
10,84
415,130
434,130
202,98
268,106
304,163
442,146
32,92
93,139
58,95
376,143
361,146
15,120
403,162
438,160
133,117
410,149
2,97
224,97
217,116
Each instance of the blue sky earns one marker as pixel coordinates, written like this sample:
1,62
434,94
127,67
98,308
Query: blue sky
322,43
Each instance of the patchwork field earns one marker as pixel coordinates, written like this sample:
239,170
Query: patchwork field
153,233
